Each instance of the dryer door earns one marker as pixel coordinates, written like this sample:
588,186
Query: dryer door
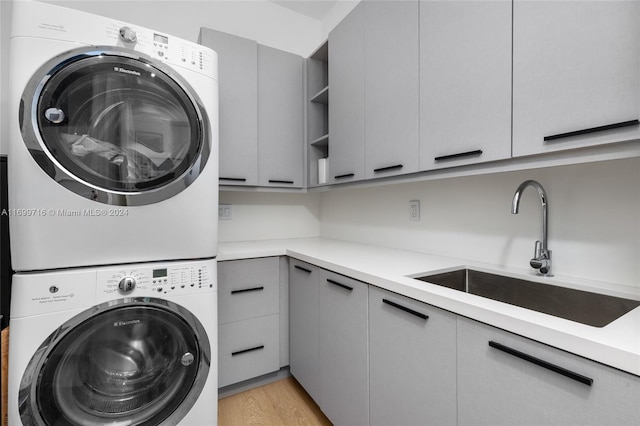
137,361
115,126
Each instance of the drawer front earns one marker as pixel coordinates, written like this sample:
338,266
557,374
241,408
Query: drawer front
248,349
248,288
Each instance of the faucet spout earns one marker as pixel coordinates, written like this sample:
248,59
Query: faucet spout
542,254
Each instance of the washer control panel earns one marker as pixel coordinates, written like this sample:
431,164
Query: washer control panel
157,279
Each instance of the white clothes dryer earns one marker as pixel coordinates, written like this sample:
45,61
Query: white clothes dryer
119,345
113,142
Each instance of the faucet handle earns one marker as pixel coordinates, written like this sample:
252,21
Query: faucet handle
538,250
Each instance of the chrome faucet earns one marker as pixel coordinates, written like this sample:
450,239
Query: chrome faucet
542,255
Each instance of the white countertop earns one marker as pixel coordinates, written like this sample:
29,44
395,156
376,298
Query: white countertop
616,345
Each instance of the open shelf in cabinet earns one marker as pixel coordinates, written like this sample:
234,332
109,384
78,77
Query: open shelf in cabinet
317,111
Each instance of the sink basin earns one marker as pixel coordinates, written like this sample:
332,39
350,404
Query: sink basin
584,307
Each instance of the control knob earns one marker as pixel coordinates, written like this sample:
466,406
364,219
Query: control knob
126,285
128,35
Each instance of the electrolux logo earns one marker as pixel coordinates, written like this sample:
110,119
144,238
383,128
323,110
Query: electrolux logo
126,71
123,323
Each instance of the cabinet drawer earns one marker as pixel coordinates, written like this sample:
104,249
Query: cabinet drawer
248,289
248,349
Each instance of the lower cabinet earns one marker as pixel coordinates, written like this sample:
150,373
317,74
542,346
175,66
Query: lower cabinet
328,341
304,330
370,356
344,347
249,319
505,379
412,349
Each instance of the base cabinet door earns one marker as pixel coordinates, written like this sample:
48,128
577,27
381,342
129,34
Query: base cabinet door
304,326
413,365
505,379
344,367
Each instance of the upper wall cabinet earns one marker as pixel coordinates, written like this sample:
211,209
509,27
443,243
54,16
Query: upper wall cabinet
261,112
238,106
391,87
280,118
576,74
465,82
346,110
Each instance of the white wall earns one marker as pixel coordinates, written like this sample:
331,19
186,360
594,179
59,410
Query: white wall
268,215
594,218
336,14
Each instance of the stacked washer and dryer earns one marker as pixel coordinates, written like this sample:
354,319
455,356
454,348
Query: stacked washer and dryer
113,189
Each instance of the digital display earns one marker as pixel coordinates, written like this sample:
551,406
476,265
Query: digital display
159,38
157,273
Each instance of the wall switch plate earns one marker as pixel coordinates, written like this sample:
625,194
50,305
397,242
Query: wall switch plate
224,212
414,211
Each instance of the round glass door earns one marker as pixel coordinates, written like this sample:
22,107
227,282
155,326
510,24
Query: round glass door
143,362
115,125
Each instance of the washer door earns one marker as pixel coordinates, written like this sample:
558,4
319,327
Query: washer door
115,126
135,361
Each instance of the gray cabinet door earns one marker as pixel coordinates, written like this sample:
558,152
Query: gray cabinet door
412,350
346,108
465,82
391,87
575,67
501,388
304,326
238,106
280,118
344,347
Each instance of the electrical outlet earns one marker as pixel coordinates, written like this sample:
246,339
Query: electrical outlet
224,212
414,211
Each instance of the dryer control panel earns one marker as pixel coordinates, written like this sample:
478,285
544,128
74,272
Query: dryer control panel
164,47
52,22
174,279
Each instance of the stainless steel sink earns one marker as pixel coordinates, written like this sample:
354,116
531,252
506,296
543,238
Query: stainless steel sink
584,307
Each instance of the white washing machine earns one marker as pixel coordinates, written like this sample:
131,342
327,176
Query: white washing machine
119,345
113,142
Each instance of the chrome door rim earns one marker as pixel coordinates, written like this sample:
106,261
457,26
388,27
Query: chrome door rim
27,398
36,145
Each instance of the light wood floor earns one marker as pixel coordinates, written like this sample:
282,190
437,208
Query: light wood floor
281,403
